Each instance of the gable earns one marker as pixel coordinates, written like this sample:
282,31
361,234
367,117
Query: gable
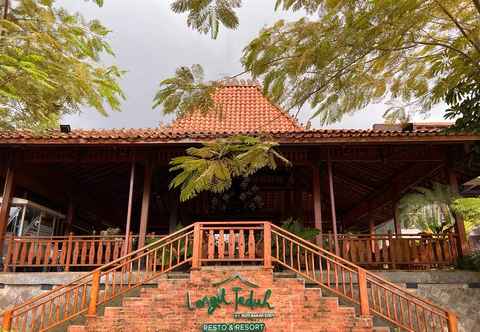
243,109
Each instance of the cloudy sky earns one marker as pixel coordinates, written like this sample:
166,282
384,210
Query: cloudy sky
150,41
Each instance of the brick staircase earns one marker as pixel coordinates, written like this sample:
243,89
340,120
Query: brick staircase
295,307
263,301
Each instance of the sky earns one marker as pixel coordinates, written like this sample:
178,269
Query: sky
150,42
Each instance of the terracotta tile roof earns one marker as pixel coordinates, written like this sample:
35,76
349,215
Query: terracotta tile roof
415,125
242,108
167,136
244,111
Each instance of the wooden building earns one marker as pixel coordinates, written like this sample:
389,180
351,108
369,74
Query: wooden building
341,181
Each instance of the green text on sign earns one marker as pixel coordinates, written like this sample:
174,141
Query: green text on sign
229,327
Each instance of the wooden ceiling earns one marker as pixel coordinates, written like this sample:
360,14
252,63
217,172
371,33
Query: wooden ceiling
367,179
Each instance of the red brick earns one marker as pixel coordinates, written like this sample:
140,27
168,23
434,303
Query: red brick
164,308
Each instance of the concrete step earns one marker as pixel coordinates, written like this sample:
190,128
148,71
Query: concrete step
178,275
280,275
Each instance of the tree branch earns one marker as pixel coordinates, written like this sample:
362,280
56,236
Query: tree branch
457,24
6,6
475,63
477,5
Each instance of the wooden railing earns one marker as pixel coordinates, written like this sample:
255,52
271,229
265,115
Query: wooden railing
388,251
66,252
84,294
209,243
231,242
345,279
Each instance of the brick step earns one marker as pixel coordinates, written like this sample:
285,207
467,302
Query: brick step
163,308
381,329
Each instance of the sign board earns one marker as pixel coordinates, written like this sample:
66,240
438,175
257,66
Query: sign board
233,327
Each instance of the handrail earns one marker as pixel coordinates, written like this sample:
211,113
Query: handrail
373,293
217,242
83,294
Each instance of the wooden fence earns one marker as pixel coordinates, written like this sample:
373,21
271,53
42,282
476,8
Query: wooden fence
388,251
63,253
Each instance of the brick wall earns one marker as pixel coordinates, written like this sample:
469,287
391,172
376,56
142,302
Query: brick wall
165,308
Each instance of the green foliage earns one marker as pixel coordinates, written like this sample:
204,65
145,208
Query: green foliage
470,262
50,66
428,209
469,208
185,92
354,53
296,227
213,166
464,102
207,15
243,196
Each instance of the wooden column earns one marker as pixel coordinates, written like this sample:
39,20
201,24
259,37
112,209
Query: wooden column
147,184
70,216
173,215
267,246
371,225
129,207
332,205
459,222
317,202
396,219
7,195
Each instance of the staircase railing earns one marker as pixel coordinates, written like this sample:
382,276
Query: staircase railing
373,294
218,242
84,294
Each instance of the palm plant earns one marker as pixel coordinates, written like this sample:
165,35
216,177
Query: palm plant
213,166
297,227
428,209
469,208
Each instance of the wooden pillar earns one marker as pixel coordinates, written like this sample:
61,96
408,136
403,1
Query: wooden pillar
129,207
396,219
173,215
363,293
147,186
267,246
463,247
371,225
317,202
70,216
332,205
197,246
7,195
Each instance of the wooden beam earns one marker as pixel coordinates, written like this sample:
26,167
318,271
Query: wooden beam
459,222
379,153
8,191
332,205
317,202
351,181
411,176
147,186
129,208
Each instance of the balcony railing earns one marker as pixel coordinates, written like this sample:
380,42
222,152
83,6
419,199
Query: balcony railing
66,253
80,253
389,251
